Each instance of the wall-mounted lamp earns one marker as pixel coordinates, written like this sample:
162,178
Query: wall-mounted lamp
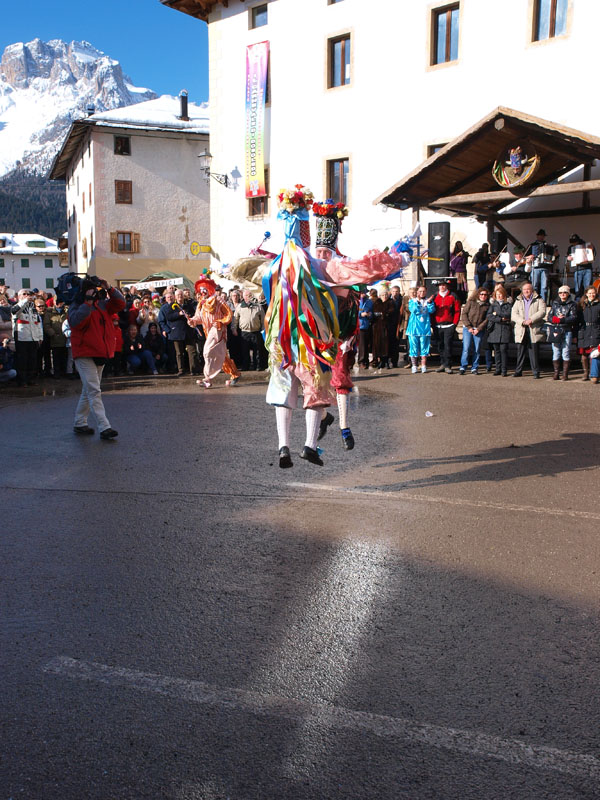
205,161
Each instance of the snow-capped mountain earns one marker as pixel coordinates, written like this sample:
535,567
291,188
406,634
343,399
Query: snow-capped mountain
44,86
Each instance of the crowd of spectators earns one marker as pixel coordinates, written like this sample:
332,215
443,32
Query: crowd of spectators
154,337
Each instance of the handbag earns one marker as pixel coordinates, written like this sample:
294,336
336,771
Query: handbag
554,333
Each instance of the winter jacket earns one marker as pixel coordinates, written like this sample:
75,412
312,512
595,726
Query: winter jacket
366,306
447,309
92,329
178,328
53,322
28,323
588,318
568,311
155,344
499,325
474,314
133,346
419,322
537,312
6,326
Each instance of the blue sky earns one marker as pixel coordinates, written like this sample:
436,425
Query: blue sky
159,48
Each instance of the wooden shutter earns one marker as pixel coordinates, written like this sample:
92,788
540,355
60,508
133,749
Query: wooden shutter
113,243
84,247
90,197
135,243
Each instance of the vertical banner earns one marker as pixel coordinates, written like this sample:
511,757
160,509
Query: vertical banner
257,59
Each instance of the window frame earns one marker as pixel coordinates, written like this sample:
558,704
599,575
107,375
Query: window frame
344,38
537,8
119,187
49,283
1,263
48,265
330,179
25,283
436,14
258,207
134,241
123,137
24,263
252,14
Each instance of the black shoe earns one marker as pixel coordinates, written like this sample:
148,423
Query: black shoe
536,375
517,375
308,454
84,430
285,460
489,369
325,423
109,433
347,439
441,368
497,372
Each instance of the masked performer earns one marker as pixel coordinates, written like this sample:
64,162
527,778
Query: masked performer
214,316
329,216
302,322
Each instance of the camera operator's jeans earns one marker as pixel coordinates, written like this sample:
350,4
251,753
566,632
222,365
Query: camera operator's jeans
91,394
539,281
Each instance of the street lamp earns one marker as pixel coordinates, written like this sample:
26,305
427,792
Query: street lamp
205,161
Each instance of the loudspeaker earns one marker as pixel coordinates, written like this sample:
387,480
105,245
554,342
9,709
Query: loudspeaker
498,242
439,248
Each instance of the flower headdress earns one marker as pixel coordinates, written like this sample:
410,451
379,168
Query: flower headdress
330,209
293,199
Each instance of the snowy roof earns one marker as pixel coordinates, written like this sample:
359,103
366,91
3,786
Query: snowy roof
25,244
161,114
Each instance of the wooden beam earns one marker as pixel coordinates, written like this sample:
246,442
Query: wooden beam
555,212
509,195
587,173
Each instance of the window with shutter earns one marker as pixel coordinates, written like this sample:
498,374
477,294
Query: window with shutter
123,192
135,243
83,202
113,243
90,197
84,247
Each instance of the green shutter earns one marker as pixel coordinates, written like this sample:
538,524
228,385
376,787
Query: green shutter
48,263
26,283
25,265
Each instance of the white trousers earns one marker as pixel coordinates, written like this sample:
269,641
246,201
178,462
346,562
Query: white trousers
91,394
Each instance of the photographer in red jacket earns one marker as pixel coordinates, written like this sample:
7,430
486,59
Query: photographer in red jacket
93,345
446,315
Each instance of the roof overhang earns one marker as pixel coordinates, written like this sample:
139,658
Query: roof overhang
195,8
458,178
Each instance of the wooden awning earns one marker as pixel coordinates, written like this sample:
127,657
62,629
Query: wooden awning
195,8
458,178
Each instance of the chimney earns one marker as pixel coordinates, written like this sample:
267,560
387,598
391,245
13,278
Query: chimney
183,99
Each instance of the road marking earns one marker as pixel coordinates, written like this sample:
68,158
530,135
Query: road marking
456,740
451,501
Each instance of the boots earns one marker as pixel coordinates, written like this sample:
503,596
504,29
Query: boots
556,365
565,375
585,364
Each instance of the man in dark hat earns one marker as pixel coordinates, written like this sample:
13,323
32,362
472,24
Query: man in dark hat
580,257
544,256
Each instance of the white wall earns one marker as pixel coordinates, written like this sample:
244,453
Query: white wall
396,105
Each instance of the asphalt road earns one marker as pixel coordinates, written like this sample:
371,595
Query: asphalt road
181,619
